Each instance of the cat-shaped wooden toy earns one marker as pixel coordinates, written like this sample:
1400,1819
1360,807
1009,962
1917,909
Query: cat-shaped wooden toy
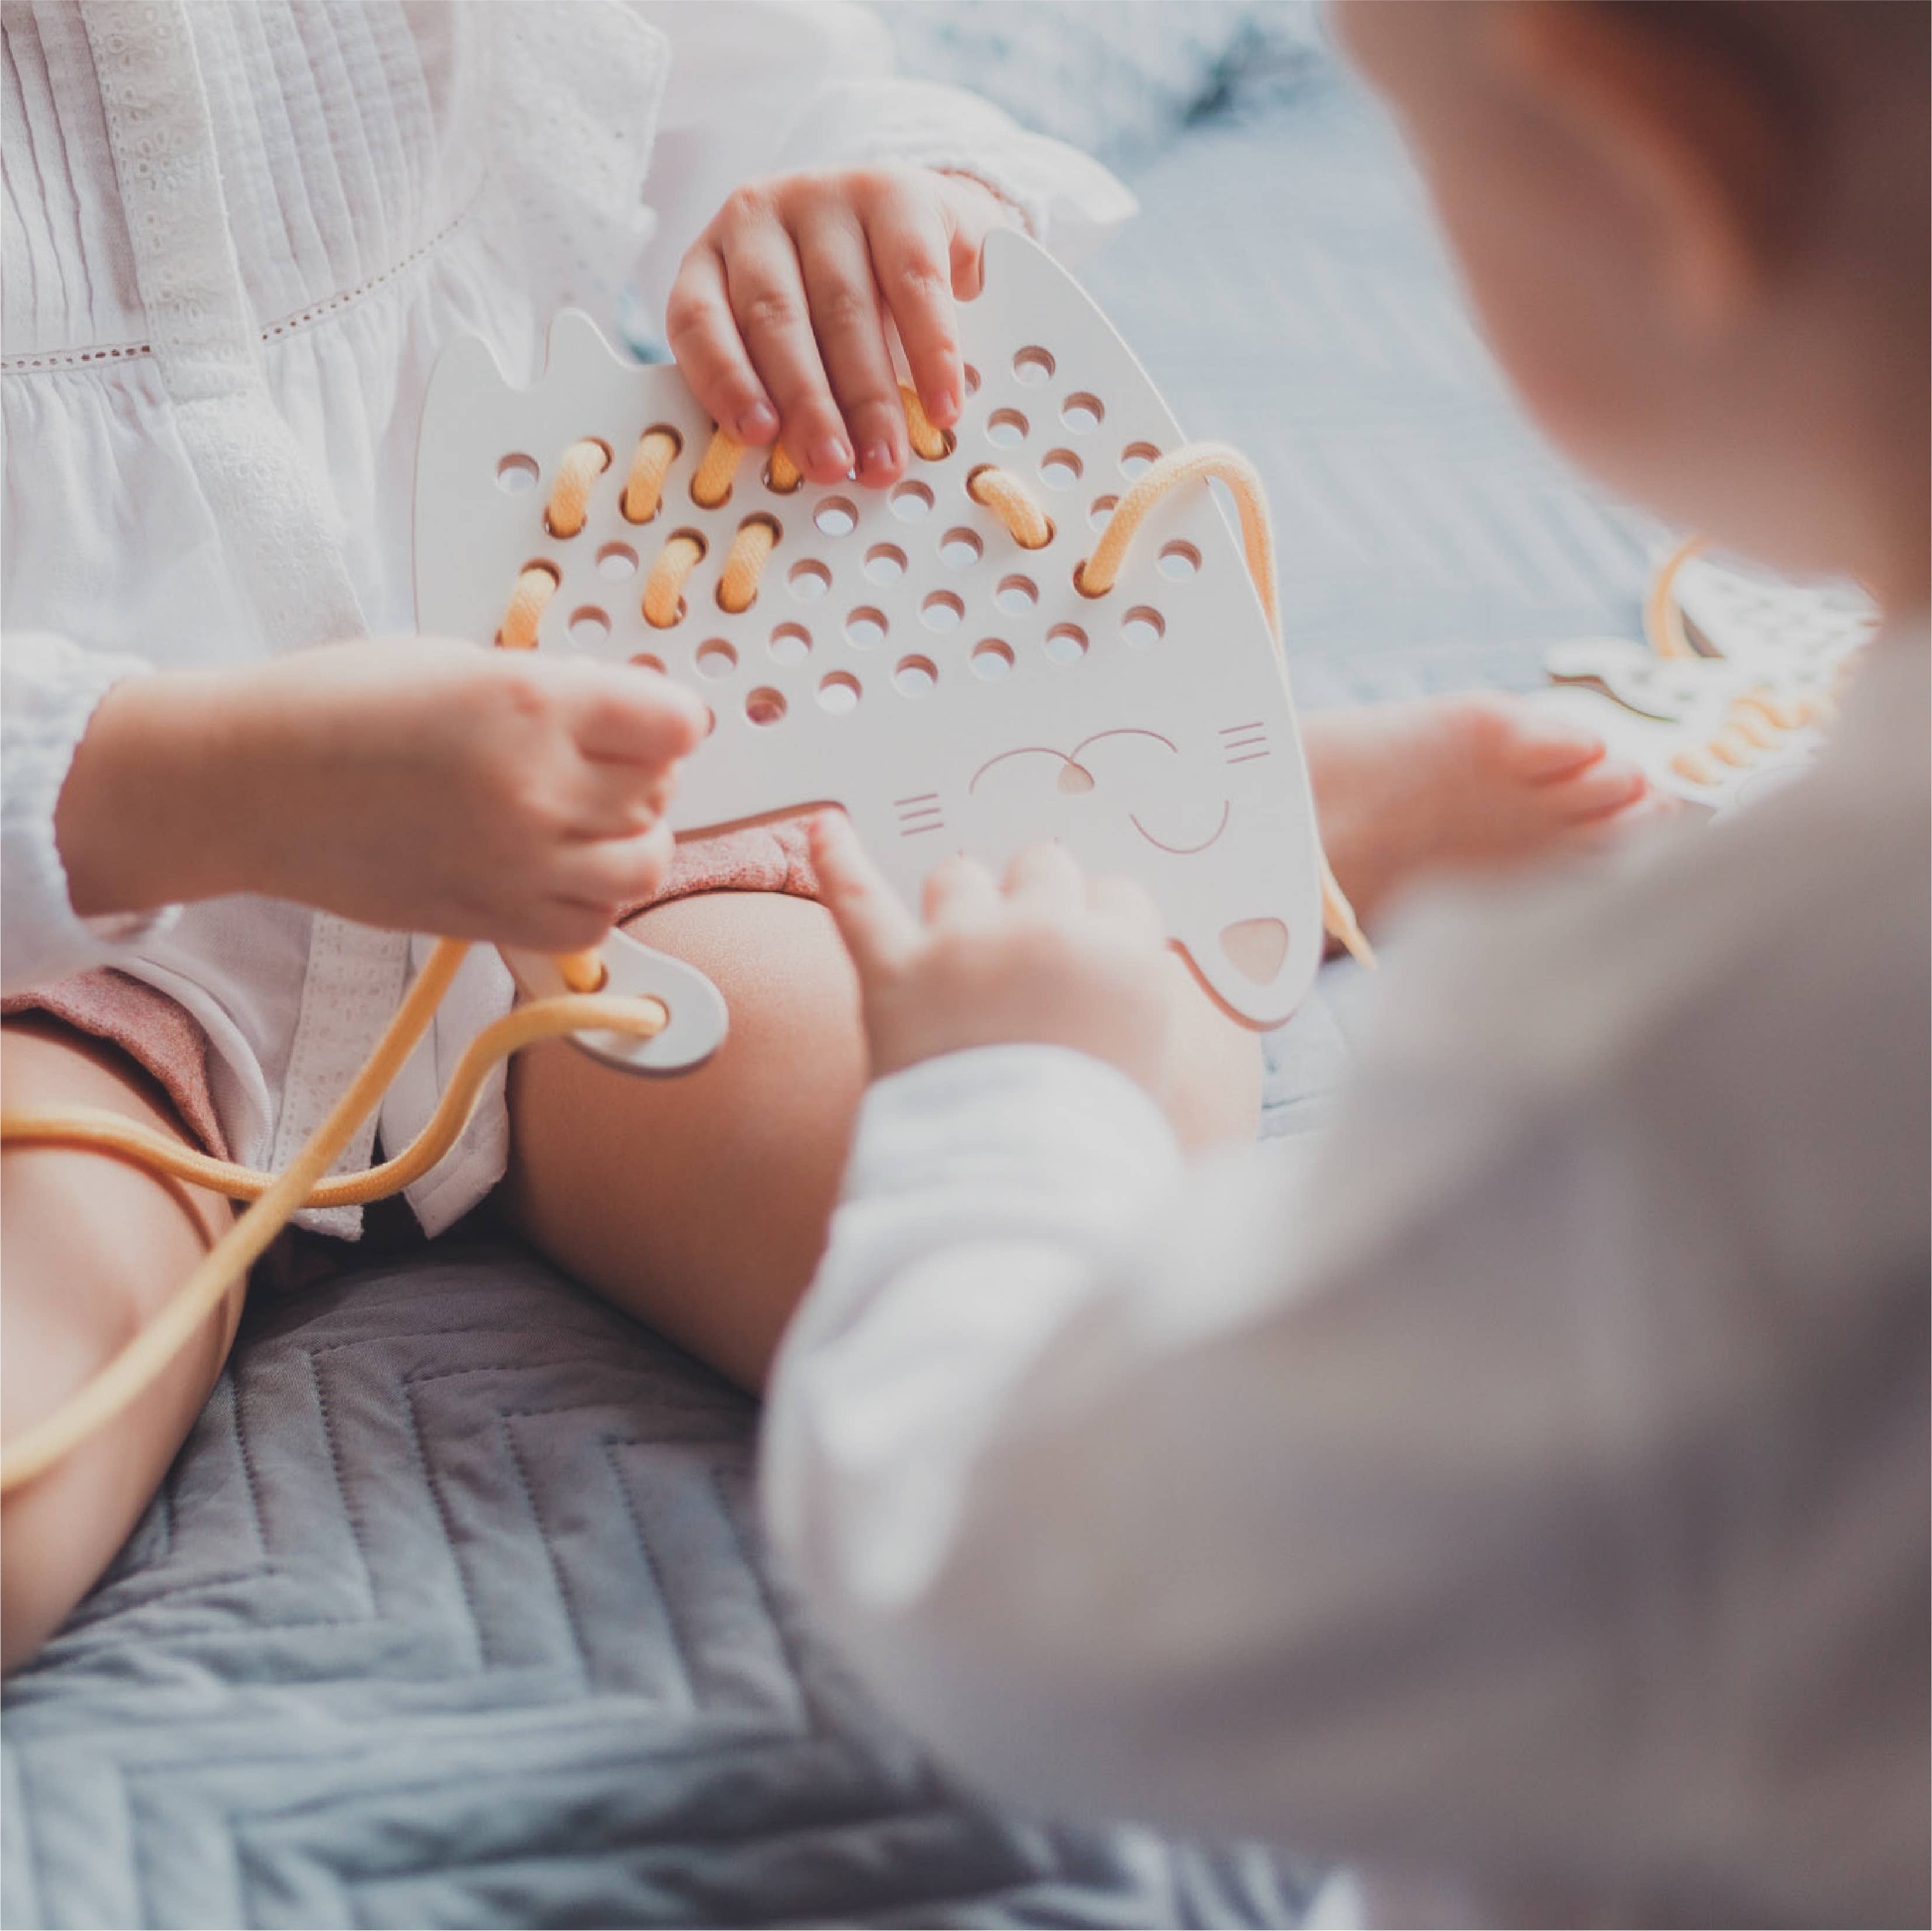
932,657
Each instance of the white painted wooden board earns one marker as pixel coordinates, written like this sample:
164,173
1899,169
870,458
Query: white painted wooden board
904,657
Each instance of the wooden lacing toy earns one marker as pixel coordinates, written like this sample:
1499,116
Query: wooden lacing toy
1730,693
1178,760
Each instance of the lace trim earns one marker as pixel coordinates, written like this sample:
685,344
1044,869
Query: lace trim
52,361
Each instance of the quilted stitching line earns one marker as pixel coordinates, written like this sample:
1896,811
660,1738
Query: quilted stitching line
673,1621
247,1460
468,1330
754,1566
564,1596
443,1517
349,1513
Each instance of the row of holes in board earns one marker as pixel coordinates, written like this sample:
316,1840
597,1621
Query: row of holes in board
1059,469
885,565
839,692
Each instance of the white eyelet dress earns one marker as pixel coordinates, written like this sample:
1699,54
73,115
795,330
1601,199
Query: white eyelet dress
237,237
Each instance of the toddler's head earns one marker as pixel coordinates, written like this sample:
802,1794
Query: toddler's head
1697,232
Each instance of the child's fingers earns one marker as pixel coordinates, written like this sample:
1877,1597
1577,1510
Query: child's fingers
851,337
768,298
615,872
615,801
1044,878
959,892
912,259
704,337
878,931
636,717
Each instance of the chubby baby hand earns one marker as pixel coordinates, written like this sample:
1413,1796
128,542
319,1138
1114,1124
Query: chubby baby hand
423,783
1046,956
777,316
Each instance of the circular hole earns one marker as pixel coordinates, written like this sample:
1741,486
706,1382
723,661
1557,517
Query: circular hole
972,380
1060,469
516,474
914,676
1006,428
838,693
710,721
791,643
791,488
961,548
866,628
1082,413
716,658
765,706
1143,625
588,626
809,580
942,610
885,563
1178,561
1033,367
1136,457
1016,595
911,501
616,561
1101,508
1066,643
835,516
992,659
644,661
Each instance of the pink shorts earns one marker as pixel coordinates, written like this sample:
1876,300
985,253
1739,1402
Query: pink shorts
166,1041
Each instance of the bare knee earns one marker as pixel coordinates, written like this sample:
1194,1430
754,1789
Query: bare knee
700,1204
93,1247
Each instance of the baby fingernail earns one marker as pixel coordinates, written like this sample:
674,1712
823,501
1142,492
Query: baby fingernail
831,455
758,422
878,456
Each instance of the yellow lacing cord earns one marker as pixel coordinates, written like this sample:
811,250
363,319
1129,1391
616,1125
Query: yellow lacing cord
928,441
657,449
276,1197
712,485
664,588
744,563
583,462
1753,720
1013,503
535,586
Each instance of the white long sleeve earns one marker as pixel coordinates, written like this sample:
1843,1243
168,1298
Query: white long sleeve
49,691
757,87
1529,1487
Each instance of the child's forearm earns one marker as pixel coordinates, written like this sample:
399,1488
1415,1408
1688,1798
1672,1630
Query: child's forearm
153,810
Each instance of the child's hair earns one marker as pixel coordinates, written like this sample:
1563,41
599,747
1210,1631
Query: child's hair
1828,63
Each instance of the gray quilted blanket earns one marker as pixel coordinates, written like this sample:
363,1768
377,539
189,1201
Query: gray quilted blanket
452,1611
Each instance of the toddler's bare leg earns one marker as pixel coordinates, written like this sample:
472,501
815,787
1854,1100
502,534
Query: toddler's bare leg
700,1204
94,1246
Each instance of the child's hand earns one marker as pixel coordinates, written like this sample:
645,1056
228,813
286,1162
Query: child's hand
1048,957
778,315
426,784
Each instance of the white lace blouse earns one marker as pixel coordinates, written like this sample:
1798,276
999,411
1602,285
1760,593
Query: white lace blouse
237,234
